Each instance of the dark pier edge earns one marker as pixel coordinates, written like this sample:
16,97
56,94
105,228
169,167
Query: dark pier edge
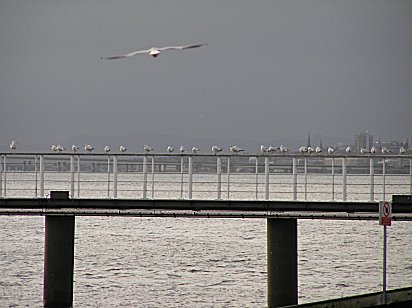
58,258
282,262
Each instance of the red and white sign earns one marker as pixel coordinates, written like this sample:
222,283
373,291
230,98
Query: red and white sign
385,213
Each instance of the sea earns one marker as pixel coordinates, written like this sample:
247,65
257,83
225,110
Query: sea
202,262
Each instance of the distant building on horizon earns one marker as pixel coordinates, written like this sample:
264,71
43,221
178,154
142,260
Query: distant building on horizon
363,140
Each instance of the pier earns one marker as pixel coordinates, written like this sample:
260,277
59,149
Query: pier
233,186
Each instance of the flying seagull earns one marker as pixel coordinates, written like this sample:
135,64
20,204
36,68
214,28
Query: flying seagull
154,51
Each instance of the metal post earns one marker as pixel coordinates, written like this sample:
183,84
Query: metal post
384,179
257,177
333,179
5,176
372,179
181,176
1,176
306,178
35,176
108,176
228,178
344,179
144,177
190,177
266,178
282,262
295,179
41,176
384,265
115,177
78,176
72,176
219,178
153,174
410,176
58,258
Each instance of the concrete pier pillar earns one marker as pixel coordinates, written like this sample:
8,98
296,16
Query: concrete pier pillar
58,258
282,259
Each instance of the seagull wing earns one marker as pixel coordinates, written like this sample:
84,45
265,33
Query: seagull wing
181,47
128,55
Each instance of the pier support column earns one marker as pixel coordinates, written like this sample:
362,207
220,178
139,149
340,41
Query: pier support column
58,258
282,258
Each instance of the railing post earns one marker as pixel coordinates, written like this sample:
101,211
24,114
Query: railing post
306,178
153,175
1,176
72,176
410,176
190,177
295,179
115,177
41,176
78,176
333,178
58,257
108,176
219,177
181,176
228,178
5,176
266,178
35,176
344,179
372,179
257,177
144,177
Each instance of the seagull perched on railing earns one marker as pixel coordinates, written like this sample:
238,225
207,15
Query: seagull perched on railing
170,149
264,149
318,150
348,150
154,51
363,151
107,149
385,150
59,148
147,149
272,149
303,150
402,150
331,150
311,150
195,150
216,150
373,150
182,149
122,149
75,148
235,149
88,148
13,145
53,147
283,149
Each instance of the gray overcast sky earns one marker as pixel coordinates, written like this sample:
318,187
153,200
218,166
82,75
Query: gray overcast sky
271,70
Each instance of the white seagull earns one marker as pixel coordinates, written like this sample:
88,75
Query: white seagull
348,150
53,147
331,150
147,149
182,149
272,149
170,149
154,51
385,150
373,150
216,150
59,148
122,149
283,149
264,149
402,150
318,150
235,149
13,145
303,150
195,150
364,151
107,149
75,148
88,148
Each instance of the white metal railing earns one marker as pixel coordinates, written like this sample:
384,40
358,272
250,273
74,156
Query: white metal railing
194,176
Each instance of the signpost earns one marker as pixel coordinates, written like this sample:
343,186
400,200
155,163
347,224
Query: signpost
385,219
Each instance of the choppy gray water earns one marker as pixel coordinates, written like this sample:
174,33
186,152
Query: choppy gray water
166,262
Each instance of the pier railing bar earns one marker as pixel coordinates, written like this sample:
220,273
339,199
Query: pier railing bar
333,178
181,176
35,175
115,177
144,177
228,178
372,179
190,177
256,178
295,179
306,178
344,188
41,176
153,176
72,176
219,177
